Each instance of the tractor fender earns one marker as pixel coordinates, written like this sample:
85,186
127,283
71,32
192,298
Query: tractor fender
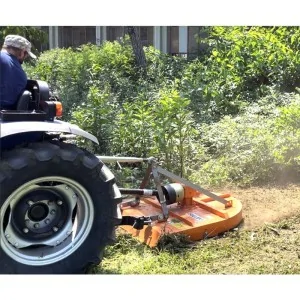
10,128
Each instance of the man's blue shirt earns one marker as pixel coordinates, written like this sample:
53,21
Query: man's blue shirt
13,80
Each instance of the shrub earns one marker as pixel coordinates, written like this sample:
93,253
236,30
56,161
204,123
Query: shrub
240,65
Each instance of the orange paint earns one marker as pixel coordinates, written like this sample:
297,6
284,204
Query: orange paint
198,216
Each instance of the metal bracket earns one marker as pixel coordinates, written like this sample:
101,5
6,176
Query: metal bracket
161,197
154,169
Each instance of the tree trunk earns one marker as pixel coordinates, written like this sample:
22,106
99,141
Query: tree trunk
138,50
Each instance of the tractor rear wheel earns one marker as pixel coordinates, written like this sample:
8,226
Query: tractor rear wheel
58,209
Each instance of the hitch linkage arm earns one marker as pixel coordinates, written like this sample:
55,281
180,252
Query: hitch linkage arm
136,222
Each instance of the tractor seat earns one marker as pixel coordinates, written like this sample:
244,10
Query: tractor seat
23,101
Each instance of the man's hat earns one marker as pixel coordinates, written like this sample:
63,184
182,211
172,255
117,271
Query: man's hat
19,42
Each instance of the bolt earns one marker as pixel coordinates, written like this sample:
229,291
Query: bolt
59,202
7,236
69,232
57,242
36,225
55,229
66,187
30,202
52,212
47,221
16,244
74,196
25,230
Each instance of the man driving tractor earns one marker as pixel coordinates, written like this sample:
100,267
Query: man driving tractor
13,79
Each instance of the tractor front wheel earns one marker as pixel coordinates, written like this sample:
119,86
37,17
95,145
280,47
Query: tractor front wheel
58,209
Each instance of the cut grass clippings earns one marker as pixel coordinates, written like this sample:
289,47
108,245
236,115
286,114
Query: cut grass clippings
270,249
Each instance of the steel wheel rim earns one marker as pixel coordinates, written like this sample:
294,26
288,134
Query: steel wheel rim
60,244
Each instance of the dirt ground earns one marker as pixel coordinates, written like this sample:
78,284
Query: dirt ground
268,204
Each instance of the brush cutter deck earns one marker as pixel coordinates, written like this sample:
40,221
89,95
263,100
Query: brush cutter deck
180,207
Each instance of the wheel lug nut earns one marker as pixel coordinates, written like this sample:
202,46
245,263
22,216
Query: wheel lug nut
52,212
66,187
16,244
36,225
57,242
7,236
25,230
47,221
59,202
55,229
30,202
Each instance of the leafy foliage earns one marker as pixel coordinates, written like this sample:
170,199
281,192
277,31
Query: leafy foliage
228,116
70,72
287,129
240,66
97,117
162,128
259,146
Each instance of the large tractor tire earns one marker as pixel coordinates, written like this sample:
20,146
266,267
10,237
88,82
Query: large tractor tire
58,209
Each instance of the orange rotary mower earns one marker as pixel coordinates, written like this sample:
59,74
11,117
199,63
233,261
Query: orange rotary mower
178,207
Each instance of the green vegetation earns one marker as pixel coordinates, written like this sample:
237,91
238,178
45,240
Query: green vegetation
229,116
